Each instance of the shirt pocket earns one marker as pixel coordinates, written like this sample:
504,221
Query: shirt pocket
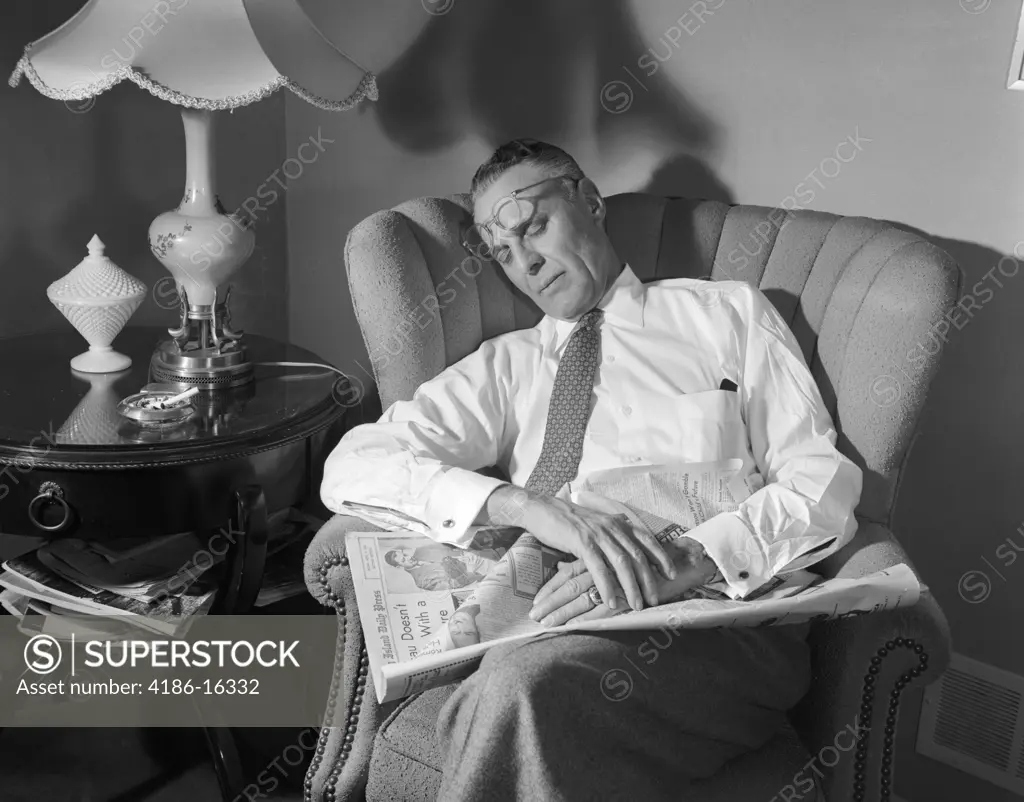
694,427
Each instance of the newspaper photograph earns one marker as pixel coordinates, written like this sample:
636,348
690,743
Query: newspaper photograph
430,610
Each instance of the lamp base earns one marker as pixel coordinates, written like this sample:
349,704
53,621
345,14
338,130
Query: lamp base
100,359
205,368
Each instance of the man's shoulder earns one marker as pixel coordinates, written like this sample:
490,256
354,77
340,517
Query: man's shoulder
500,353
705,293
527,335
517,340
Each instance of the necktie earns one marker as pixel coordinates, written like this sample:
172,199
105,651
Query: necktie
569,408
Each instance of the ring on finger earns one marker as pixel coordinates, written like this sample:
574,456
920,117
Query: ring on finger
594,595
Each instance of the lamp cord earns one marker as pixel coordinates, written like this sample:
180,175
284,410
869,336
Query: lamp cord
304,365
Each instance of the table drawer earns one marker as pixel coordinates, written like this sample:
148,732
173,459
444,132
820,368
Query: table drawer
102,504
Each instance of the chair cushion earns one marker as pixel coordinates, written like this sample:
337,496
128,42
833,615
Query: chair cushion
406,761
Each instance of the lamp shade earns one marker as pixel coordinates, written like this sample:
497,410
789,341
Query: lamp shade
201,54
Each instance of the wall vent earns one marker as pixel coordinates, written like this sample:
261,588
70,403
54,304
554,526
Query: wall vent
973,719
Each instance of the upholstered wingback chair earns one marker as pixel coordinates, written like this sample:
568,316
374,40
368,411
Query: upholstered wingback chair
866,302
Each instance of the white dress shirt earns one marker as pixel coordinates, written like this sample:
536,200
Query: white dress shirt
665,349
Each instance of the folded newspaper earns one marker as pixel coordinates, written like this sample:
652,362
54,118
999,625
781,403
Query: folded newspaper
430,610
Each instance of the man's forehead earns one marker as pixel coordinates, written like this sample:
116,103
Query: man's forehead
522,175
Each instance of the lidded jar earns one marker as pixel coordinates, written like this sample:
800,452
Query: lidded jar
98,297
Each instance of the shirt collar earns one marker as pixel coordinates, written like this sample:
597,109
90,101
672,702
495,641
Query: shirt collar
623,302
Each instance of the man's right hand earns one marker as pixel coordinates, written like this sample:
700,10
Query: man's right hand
614,553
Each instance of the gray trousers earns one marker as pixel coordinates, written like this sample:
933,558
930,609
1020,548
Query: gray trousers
634,715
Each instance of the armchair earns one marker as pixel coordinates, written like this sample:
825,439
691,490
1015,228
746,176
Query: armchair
865,300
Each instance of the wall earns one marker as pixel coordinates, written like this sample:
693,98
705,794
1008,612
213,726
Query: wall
748,106
108,168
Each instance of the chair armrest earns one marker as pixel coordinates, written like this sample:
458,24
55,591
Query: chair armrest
341,762
873,548
327,550
900,646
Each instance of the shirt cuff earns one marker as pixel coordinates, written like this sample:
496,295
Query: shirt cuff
456,498
736,552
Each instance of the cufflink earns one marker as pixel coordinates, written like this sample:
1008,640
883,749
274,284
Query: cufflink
448,522
744,575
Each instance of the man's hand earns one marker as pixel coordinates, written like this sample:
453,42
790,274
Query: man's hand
561,600
616,556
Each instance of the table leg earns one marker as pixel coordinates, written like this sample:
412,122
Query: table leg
244,564
246,559
227,764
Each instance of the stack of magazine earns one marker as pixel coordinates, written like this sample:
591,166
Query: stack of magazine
160,584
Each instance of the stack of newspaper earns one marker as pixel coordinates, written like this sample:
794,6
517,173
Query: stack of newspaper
430,610
160,583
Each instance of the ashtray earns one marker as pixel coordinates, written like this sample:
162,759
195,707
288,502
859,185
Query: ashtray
162,407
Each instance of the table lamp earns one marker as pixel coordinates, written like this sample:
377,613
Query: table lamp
204,56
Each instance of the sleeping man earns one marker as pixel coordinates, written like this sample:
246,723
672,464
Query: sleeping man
617,373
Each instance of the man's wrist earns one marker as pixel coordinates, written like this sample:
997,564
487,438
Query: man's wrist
508,505
688,553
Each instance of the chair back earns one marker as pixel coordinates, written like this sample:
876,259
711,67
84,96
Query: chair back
867,302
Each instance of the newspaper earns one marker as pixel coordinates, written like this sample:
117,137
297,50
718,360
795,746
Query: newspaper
430,610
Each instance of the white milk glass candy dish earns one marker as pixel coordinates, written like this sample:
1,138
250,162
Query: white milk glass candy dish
98,297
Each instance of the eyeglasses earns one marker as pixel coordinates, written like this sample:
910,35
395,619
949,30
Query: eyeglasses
513,217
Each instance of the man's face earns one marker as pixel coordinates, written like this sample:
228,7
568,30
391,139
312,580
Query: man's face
461,623
560,257
462,626
404,557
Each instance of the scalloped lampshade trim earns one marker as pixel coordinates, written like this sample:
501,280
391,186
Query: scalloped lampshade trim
367,89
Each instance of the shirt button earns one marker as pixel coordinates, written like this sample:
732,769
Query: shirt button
627,411
611,357
448,522
744,575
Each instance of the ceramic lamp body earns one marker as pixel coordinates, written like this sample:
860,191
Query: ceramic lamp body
97,297
198,243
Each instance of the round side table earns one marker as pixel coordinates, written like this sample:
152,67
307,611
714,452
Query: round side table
72,465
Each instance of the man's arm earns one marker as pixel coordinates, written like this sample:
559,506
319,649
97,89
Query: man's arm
458,573
616,555
419,458
806,509
475,563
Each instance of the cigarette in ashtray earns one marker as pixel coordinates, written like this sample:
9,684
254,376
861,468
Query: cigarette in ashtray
175,399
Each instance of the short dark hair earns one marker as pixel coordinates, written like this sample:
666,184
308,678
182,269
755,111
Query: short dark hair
525,151
391,558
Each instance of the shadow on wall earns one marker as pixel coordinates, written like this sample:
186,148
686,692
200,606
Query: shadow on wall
969,386
558,72
564,72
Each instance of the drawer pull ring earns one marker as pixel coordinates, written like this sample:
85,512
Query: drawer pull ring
49,493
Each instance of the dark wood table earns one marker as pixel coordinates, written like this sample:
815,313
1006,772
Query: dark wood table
73,466
117,477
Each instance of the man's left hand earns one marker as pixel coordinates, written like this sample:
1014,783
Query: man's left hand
563,599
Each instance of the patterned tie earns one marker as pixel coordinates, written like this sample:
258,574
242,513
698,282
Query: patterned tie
569,408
